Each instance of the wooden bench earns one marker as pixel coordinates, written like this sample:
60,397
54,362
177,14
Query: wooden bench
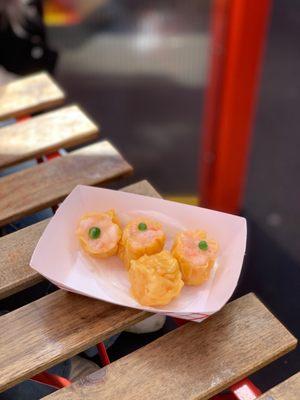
287,390
192,362
45,133
195,361
46,184
16,250
242,338
27,95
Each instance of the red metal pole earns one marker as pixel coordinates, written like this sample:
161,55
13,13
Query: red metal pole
58,382
238,36
245,390
103,354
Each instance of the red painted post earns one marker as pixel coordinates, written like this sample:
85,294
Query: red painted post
238,37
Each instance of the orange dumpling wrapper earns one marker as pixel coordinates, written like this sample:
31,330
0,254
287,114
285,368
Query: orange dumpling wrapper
195,263
107,243
136,243
155,279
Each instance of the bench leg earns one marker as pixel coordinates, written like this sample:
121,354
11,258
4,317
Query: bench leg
103,354
245,390
58,382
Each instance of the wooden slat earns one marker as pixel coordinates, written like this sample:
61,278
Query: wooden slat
47,184
65,127
142,187
48,330
287,390
194,362
16,250
28,95
54,328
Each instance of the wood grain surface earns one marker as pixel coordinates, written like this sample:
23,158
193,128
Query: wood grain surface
45,133
195,361
142,187
16,250
54,328
46,184
59,325
27,95
287,390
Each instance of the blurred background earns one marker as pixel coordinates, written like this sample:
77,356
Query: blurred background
156,76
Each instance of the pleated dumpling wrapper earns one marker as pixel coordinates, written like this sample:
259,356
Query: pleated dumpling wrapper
99,233
195,254
155,279
141,236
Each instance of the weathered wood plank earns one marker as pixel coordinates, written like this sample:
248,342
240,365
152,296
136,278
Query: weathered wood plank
45,133
196,361
27,95
46,184
16,250
54,328
287,390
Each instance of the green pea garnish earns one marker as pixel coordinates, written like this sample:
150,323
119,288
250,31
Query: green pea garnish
203,245
142,226
94,232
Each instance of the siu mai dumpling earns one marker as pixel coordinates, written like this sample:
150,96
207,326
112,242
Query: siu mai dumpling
141,236
155,279
195,254
99,233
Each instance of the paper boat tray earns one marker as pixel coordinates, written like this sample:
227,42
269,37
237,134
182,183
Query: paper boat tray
58,256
